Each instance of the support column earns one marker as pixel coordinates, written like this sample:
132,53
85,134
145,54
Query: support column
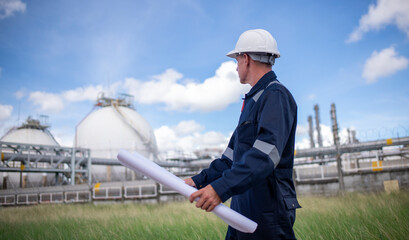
5,178
109,172
89,166
56,179
337,146
44,180
24,182
317,122
73,166
311,132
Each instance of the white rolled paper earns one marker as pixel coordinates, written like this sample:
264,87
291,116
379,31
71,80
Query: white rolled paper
139,163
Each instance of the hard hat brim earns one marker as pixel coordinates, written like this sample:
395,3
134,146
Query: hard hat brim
233,53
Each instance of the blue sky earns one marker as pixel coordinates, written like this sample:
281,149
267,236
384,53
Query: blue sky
55,56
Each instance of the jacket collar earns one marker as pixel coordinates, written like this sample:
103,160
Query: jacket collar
262,83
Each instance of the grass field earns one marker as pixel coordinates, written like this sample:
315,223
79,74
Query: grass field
354,216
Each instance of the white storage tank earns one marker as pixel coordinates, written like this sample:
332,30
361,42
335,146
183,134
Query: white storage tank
112,125
32,131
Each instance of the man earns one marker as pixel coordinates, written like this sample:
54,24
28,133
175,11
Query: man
256,168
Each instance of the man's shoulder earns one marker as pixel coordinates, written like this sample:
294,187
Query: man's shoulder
277,88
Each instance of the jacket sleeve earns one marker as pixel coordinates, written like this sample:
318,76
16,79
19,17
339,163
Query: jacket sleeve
217,167
274,122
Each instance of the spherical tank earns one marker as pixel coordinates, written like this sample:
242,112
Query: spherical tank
110,128
32,131
29,136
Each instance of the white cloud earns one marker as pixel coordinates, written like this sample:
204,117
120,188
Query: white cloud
90,93
5,111
165,138
63,136
48,102
55,102
304,143
64,142
385,12
9,7
169,88
187,127
20,94
326,135
301,130
171,138
83,93
214,139
382,64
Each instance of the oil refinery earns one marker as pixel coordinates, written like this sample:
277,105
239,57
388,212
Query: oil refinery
37,170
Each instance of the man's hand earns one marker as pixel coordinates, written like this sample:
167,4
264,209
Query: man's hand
190,182
208,198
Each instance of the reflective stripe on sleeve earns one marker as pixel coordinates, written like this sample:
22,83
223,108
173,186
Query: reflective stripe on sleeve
268,149
228,153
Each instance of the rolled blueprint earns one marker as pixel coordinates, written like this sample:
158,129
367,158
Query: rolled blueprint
139,163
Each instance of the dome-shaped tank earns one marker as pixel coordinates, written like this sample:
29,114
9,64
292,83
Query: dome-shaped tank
30,132
113,125
36,132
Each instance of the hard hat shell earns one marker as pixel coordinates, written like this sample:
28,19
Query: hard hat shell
255,41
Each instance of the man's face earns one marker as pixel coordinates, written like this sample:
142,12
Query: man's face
242,61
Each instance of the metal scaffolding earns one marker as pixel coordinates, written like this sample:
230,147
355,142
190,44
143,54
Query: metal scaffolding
352,147
26,158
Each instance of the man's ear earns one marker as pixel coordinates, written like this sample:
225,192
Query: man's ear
246,59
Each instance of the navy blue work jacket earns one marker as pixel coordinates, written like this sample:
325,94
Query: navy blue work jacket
257,166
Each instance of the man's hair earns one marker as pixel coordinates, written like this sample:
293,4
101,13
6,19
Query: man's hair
263,58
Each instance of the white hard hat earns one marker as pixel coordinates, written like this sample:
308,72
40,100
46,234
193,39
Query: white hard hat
255,41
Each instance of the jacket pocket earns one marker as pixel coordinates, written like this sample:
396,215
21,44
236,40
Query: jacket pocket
291,203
